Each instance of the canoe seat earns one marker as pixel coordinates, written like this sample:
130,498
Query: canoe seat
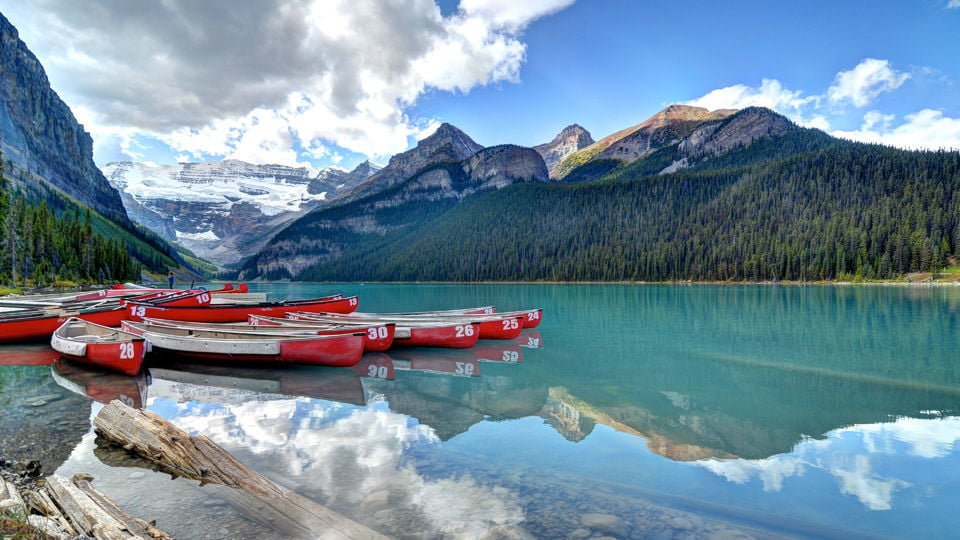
93,338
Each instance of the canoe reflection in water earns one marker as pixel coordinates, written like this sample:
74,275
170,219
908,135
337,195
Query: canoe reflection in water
33,354
99,384
219,382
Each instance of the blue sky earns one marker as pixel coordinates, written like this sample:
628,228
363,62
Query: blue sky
333,82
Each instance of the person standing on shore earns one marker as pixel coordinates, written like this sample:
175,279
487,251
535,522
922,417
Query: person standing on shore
171,279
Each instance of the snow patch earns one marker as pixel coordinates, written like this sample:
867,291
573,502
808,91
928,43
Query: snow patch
206,236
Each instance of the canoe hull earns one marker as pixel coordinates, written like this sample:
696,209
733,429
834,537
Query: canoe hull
453,336
491,325
531,317
41,328
444,334
339,350
379,337
100,346
218,313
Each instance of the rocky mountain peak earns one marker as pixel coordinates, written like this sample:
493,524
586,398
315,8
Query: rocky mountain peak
447,143
569,140
576,131
669,126
460,143
738,128
366,169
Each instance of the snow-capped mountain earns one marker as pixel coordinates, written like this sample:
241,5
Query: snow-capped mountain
224,211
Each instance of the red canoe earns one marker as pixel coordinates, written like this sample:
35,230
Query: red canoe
39,324
531,317
376,337
239,312
492,325
41,327
411,333
99,345
379,337
338,350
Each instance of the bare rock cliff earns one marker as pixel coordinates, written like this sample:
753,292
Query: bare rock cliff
446,144
40,135
671,125
742,128
568,141
500,166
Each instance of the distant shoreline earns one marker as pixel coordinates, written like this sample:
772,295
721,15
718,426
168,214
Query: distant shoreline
952,282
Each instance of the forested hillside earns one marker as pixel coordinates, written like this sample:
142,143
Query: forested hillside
799,206
60,218
43,244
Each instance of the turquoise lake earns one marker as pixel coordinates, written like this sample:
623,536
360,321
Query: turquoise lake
632,411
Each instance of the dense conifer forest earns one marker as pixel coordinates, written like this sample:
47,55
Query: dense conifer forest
44,246
801,207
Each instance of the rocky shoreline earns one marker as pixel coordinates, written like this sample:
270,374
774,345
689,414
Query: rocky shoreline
26,475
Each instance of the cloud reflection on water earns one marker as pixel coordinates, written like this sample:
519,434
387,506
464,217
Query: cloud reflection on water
349,458
864,459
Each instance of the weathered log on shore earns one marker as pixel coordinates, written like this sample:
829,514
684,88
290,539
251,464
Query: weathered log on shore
73,508
91,513
178,453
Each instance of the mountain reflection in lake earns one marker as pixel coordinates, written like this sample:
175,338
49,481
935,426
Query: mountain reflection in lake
632,412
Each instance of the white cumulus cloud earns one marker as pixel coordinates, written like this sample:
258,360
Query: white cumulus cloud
771,94
276,81
927,129
865,82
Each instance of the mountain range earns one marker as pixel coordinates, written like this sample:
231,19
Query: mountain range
227,211
418,189
688,194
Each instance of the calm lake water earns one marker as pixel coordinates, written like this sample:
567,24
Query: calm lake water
631,412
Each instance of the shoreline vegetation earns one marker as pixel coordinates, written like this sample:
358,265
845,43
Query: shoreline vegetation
949,276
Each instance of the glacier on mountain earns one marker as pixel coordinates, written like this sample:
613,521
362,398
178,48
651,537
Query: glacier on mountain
224,211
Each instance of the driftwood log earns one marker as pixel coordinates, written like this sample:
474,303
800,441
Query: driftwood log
176,452
72,508
91,513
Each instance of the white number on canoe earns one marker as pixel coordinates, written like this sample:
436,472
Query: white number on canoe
137,311
510,324
511,356
464,330
126,351
352,301
203,299
533,315
464,368
378,332
377,372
